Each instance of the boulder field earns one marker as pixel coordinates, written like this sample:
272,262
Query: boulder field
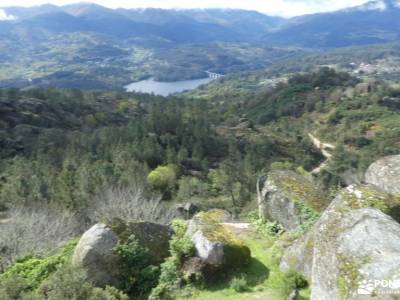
355,242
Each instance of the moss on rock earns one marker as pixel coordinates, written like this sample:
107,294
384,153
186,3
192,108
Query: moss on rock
364,196
152,236
235,252
300,189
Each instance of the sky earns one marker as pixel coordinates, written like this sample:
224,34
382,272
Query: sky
286,8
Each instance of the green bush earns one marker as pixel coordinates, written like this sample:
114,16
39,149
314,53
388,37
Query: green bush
267,228
239,284
67,283
109,293
138,276
72,283
34,270
163,178
181,247
14,287
285,283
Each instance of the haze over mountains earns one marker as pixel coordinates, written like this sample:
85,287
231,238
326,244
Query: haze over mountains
87,45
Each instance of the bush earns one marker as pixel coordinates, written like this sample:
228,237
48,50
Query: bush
138,277
163,178
127,203
181,247
267,228
67,283
239,284
35,270
72,283
35,231
285,283
13,288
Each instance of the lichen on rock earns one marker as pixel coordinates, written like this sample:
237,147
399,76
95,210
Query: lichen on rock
290,199
385,174
354,240
215,244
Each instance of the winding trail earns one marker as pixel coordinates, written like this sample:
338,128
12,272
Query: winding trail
323,147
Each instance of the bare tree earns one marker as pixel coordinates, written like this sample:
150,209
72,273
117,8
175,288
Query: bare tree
127,203
35,231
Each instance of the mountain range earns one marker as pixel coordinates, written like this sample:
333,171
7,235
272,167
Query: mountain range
171,25
89,46
374,22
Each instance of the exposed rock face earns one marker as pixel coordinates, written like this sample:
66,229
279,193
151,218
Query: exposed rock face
211,252
215,244
95,250
289,199
385,174
95,254
154,237
354,240
364,244
299,256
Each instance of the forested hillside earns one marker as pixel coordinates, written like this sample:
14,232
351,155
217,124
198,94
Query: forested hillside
70,159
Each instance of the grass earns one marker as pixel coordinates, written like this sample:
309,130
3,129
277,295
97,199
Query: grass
263,279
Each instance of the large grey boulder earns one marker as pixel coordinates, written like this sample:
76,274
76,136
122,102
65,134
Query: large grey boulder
299,256
215,244
290,199
94,253
95,250
363,244
353,241
385,174
154,237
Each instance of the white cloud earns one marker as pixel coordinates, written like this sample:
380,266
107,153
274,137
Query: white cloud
274,7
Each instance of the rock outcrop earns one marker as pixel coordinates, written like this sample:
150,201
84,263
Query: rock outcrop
215,244
94,253
154,237
354,240
95,250
290,199
385,174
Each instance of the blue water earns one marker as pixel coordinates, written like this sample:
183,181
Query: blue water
165,88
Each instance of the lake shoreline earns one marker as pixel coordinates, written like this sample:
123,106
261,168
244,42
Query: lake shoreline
165,88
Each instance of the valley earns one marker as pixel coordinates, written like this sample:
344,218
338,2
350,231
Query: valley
200,153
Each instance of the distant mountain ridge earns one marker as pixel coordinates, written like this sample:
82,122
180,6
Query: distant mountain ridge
371,23
174,25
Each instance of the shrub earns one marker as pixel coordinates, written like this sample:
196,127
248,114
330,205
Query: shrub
239,284
126,203
72,283
35,231
13,288
285,283
35,270
67,283
267,228
163,178
109,293
138,277
181,247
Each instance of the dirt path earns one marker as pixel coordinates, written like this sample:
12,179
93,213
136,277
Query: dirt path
323,147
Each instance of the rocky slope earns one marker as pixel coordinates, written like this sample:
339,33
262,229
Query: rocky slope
356,240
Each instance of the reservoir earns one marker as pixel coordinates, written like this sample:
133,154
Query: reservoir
165,88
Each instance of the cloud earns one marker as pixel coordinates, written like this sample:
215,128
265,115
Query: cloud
5,17
285,8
